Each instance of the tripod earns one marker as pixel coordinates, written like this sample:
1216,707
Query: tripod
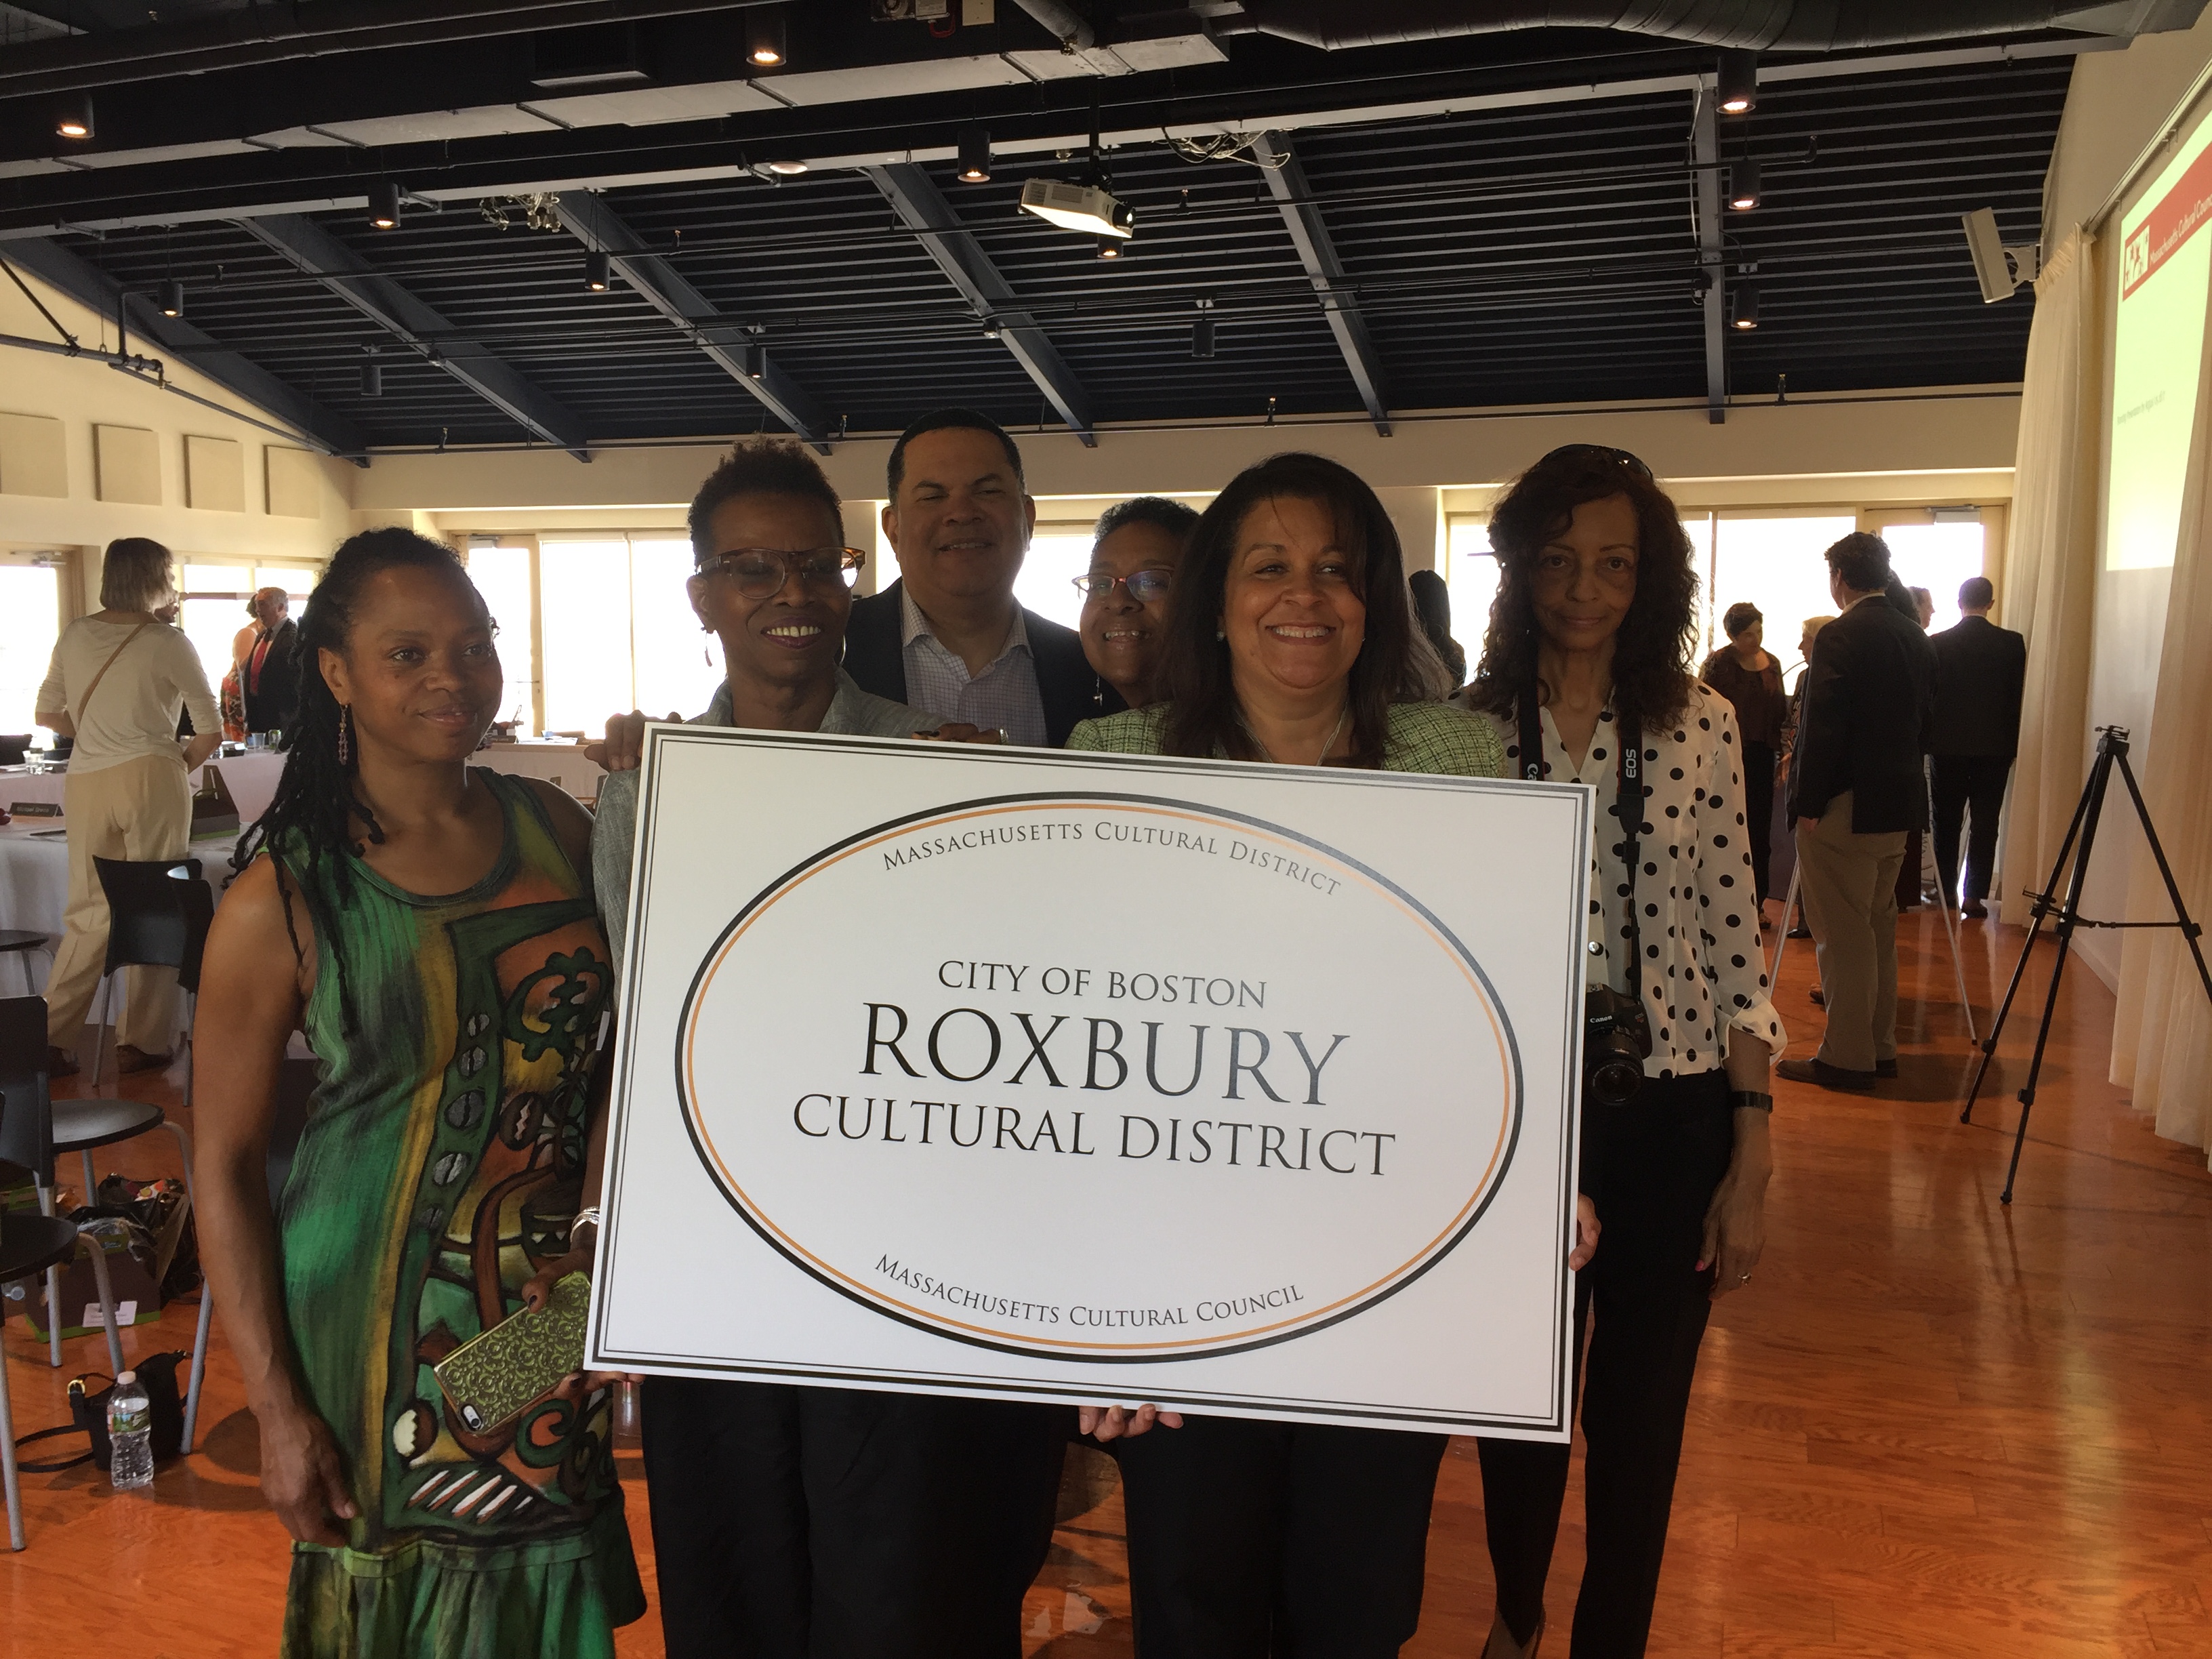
2111,748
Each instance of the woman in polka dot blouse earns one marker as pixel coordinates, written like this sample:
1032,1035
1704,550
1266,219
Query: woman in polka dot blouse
1593,625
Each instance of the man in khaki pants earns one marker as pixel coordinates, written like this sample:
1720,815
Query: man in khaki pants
117,682
1857,787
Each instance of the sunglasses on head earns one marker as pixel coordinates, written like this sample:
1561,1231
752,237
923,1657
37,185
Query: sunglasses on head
1597,452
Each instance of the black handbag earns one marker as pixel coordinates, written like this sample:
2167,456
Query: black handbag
157,1374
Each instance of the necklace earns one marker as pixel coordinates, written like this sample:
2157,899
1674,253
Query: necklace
1335,733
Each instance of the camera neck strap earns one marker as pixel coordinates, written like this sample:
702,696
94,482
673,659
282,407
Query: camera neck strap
1627,808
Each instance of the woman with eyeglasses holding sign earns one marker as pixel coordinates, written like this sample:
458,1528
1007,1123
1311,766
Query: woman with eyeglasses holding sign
1585,675
1290,638
799,1522
1136,547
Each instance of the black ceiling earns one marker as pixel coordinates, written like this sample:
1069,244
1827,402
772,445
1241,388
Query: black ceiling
1545,253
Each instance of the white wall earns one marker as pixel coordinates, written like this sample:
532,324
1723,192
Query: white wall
84,394
2118,104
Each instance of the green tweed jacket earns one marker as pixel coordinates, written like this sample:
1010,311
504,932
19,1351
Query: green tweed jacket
1424,737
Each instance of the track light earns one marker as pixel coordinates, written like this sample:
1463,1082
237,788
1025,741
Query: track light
173,298
384,204
1743,185
1108,248
372,380
598,271
1739,82
1201,336
1743,307
975,154
756,361
74,118
786,169
764,37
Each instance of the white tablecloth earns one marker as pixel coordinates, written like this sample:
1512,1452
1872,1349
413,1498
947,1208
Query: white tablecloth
34,860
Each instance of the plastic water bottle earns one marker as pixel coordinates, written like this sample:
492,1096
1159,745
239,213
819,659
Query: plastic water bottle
131,1434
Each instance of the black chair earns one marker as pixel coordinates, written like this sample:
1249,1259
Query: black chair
37,1129
20,942
15,748
29,1244
158,912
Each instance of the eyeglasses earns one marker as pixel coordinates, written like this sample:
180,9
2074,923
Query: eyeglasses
1143,585
1598,453
759,572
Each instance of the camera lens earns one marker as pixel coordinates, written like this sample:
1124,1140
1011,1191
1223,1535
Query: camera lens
1615,1079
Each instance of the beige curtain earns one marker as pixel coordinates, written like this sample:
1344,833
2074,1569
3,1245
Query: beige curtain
2162,1030
2050,566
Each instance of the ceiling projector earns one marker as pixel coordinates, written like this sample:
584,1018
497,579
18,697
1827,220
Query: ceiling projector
1085,208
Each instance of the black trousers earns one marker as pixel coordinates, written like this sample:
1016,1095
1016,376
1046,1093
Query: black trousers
1758,810
1964,784
1276,1540
832,1523
1644,1305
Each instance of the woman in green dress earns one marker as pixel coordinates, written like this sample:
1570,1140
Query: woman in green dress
430,928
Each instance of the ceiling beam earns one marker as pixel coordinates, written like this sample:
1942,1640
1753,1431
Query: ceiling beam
921,207
95,289
385,302
1713,254
661,286
1340,301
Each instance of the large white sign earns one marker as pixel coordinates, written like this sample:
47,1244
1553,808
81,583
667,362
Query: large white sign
1238,1088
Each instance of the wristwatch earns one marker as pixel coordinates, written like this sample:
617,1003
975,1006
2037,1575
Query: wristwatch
1757,1099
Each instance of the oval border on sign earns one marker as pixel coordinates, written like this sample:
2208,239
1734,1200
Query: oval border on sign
1344,1307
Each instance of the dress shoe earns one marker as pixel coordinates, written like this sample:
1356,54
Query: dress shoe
1975,908
59,1064
1820,1072
1820,997
1801,931
128,1058
1501,1644
1886,1067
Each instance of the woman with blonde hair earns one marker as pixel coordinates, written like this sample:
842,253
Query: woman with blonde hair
117,680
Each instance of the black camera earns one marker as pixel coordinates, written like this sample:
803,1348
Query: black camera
1616,1042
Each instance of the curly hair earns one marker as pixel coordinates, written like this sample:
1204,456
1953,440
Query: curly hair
759,466
311,815
1396,663
1651,677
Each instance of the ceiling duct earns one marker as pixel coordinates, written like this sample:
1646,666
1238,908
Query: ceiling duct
1758,25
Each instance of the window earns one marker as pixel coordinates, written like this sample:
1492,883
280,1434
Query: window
618,632
214,606
1471,579
502,576
30,617
1938,557
1775,563
1058,554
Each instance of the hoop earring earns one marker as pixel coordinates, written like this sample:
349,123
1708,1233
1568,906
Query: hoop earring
345,734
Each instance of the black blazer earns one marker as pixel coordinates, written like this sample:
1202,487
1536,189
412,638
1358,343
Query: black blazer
1869,695
1979,671
1068,686
270,709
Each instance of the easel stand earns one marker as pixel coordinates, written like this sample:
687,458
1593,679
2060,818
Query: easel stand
2080,837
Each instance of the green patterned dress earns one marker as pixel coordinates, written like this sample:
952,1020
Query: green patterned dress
442,1160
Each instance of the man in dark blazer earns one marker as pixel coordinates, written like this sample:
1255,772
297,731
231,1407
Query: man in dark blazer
268,677
1980,670
947,635
1856,787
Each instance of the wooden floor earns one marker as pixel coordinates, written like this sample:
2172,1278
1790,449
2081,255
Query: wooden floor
1934,1425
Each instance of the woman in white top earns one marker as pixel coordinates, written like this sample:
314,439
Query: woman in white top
117,681
1587,655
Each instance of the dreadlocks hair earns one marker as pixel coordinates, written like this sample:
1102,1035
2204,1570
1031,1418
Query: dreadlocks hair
311,816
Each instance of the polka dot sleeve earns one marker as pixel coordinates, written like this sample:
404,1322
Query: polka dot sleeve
1732,960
